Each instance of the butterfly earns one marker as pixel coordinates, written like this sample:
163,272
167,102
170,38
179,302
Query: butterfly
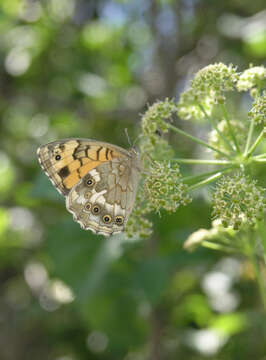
99,181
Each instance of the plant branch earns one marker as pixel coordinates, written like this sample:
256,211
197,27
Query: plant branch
250,133
255,263
216,128
260,160
196,178
259,156
202,161
250,243
217,246
197,140
208,180
231,131
256,143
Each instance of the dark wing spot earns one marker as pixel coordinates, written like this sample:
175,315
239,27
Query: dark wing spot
86,150
74,155
64,172
119,220
106,153
98,152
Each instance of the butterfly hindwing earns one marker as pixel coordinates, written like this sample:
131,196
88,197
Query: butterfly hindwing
103,200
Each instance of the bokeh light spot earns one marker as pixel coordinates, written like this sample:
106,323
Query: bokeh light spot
17,62
97,341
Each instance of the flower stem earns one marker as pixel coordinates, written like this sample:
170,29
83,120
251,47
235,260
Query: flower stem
219,247
255,263
262,234
250,133
196,178
208,180
259,156
256,143
216,127
231,131
197,140
202,161
260,160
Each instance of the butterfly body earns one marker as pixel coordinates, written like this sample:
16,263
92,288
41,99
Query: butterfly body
99,181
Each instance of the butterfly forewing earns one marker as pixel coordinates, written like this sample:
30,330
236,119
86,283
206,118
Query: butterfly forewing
66,161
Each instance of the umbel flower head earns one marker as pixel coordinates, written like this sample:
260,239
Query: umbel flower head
207,88
154,124
237,200
258,110
190,105
215,79
138,226
216,232
220,238
164,187
252,79
155,117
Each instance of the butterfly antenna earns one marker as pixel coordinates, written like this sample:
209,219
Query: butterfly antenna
128,138
137,138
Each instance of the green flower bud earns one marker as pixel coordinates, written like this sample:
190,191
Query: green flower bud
245,203
258,110
252,79
164,188
207,89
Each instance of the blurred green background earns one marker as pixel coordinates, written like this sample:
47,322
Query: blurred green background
88,68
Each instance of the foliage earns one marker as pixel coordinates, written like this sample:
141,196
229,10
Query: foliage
88,69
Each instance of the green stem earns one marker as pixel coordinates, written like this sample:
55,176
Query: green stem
199,141
202,161
206,181
227,241
260,160
196,178
250,133
216,127
259,156
219,247
231,131
256,143
255,263
250,243
262,235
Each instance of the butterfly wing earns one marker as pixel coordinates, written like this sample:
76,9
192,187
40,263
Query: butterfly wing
103,199
67,161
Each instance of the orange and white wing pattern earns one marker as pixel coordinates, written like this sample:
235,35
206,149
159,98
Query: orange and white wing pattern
99,181
67,161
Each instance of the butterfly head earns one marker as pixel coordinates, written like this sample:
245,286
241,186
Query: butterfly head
134,152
